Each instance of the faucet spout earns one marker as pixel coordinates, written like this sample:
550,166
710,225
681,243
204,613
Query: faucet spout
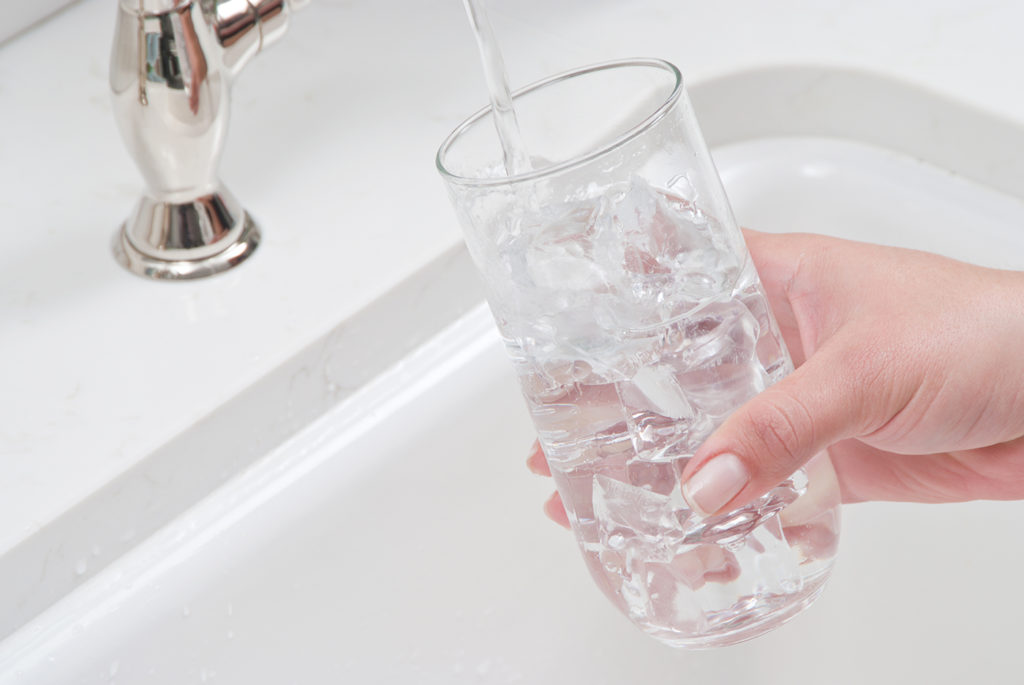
244,27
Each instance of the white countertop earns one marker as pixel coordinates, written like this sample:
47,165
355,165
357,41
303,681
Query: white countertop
331,149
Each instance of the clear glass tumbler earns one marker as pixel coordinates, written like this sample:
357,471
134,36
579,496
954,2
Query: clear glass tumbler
636,322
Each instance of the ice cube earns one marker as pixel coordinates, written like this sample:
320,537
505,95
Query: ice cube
648,521
558,249
771,351
658,414
720,332
659,223
682,187
578,415
659,477
658,385
716,354
704,564
671,597
563,266
776,562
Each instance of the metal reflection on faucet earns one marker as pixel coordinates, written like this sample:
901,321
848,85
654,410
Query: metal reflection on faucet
170,74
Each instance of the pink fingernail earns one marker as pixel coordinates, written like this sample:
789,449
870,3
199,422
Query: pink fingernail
717,482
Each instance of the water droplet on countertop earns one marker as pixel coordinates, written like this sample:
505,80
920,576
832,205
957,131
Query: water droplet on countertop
81,566
186,611
115,665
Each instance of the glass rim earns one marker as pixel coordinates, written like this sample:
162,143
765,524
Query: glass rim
579,160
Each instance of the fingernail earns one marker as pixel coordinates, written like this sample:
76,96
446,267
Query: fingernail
717,482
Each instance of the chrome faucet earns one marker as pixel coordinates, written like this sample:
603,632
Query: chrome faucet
170,72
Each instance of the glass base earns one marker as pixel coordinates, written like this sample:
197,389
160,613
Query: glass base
747,623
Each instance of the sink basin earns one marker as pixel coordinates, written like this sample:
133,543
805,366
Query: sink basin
399,538
19,15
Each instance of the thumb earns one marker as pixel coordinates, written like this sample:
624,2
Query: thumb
763,442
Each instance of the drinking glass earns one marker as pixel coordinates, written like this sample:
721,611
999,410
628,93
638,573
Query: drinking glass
636,323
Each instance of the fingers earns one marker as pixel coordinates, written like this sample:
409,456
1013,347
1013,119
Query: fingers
775,433
867,473
537,462
553,507
555,510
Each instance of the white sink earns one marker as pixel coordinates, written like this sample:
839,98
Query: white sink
399,538
18,14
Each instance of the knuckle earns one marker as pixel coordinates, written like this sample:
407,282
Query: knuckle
780,427
875,371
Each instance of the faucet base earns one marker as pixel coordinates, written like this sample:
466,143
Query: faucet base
180,241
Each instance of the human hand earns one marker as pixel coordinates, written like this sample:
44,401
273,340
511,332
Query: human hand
910,373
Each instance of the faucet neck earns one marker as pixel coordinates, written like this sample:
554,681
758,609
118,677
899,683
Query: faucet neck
153,6
240,28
